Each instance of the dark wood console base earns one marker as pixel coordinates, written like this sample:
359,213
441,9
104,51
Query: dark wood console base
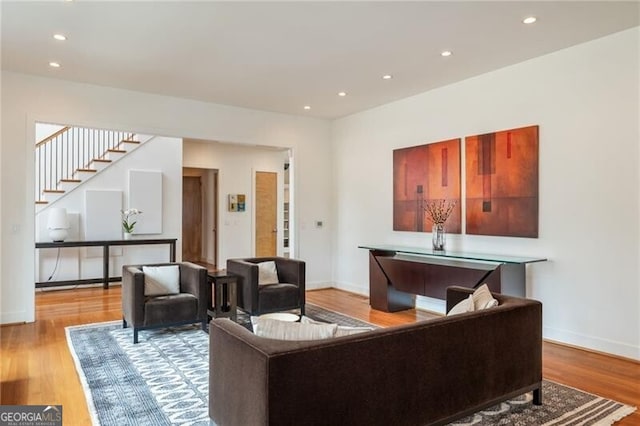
395,279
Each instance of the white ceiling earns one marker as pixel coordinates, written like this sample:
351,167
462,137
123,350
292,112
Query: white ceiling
280,56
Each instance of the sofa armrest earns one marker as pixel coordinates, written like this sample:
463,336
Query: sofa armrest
193,280
133,295
291,271
247,282
238,373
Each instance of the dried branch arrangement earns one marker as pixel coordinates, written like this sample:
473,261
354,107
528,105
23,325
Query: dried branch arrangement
439,210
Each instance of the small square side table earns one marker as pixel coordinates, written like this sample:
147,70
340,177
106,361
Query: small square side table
223,295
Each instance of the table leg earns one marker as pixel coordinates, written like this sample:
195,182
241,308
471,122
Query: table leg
105,266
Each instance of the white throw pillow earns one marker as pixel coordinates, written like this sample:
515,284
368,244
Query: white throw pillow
342,330
267,273
255,319
307,320
284,330
161,280
482,298
463,306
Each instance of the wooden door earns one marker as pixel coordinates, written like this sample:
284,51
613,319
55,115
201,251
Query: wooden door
191,218
266,213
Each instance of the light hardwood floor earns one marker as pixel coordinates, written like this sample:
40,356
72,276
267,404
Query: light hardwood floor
36,366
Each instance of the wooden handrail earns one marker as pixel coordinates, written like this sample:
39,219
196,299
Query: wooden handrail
48,138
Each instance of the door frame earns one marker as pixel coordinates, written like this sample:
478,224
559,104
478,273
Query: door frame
213,196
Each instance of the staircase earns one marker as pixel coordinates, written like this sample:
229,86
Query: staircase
72,155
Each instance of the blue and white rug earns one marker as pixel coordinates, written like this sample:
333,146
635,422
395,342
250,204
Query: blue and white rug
164,380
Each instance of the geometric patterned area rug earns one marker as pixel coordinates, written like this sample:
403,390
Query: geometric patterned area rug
164,380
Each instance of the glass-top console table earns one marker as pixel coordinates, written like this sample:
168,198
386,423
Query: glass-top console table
398,273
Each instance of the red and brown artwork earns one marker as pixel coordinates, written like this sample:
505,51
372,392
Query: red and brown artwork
502,183
421,175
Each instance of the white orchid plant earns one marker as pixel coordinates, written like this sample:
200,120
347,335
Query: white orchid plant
126,217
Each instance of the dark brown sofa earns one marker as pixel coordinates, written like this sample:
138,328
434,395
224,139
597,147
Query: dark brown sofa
426,373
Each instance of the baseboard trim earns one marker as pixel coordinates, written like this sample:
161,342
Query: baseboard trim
16,317
593,351
352,288
564,338
76,287
591,343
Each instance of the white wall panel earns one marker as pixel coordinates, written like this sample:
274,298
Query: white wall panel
145,194
102,215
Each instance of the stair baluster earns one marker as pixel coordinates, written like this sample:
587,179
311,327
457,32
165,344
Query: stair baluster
61,156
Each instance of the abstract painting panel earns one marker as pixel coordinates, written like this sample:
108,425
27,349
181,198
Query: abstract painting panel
502,183
422,174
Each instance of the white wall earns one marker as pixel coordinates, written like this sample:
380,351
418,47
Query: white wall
27,99
585,100
159,154
236,165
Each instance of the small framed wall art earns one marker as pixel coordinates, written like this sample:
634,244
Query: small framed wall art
237,202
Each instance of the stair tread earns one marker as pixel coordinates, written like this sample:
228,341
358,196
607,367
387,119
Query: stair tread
128,141
54,191
86,170
102,160
41,202
70,180
116,150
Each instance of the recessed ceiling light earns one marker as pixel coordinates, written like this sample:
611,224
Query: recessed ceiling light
60,37
307,107
342,93
387,77
446,53
54,64
529,20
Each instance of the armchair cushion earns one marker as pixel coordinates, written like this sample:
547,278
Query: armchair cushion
267,273
281,294
161,280
171,308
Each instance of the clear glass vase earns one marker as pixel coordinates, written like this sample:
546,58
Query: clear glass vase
438,236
